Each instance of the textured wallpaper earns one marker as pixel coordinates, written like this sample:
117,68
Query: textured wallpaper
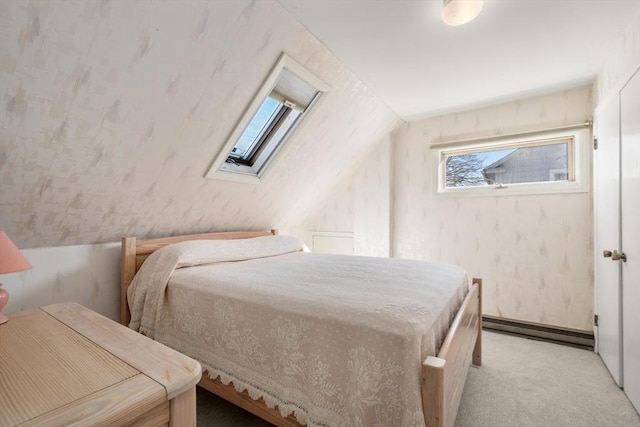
372,202
361,204
111,112
534,252
335,213
86,274
622,61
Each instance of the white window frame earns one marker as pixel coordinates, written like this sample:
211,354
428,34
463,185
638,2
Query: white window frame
581,157
553,173
253,175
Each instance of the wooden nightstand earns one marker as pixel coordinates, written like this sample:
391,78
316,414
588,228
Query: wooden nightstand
64,365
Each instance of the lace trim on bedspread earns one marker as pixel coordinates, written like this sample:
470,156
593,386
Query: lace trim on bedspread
255,393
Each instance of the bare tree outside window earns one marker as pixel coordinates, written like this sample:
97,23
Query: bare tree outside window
465,170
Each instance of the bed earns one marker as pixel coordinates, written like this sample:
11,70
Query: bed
440,376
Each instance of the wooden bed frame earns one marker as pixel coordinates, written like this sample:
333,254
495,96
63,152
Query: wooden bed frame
443,377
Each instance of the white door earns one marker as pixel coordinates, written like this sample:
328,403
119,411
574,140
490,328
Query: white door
607,274
630,210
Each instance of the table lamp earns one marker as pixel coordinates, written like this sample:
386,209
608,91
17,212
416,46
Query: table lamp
11,261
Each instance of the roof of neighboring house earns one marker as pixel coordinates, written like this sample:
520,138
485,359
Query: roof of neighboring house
501,160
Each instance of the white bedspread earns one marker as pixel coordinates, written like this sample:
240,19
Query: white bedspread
337,340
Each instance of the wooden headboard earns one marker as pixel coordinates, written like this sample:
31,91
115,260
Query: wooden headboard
135,252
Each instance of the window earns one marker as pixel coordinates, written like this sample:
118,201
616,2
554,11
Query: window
545,163
287,95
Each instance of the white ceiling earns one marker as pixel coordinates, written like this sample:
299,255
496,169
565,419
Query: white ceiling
420,67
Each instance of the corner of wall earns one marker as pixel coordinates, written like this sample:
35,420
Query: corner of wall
623,61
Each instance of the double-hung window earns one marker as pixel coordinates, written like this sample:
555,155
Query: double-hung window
540,162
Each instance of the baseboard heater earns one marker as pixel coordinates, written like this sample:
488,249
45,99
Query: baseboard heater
554,334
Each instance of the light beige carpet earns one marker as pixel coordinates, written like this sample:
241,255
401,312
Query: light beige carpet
521,383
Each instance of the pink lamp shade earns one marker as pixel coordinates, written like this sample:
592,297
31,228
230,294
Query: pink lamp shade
11,261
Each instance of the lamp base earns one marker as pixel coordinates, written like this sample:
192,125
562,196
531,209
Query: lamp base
4,299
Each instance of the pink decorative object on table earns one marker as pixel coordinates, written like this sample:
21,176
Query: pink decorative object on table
11,261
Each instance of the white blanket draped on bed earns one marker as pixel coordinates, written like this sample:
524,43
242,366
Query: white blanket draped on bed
145,300
337,340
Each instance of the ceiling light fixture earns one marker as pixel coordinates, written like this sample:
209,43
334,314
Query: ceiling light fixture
458,12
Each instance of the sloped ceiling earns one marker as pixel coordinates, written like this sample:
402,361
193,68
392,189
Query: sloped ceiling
111,112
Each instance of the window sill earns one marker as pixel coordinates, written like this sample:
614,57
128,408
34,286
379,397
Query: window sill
516,190
234,177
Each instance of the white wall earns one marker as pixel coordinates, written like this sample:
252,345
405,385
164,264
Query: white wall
372,202
334,213
533,251
87,274
386,199
622,62
360,204
112,112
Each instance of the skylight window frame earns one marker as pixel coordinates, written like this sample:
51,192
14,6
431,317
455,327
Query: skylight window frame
281,121
578,139
273,120
253,170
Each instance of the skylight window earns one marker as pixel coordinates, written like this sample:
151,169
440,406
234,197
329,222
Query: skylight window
256,130
279,106
266,130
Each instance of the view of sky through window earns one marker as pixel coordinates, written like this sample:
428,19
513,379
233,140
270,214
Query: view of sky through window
250,135
489,157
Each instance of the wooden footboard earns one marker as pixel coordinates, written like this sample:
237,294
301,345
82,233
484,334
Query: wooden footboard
443,376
